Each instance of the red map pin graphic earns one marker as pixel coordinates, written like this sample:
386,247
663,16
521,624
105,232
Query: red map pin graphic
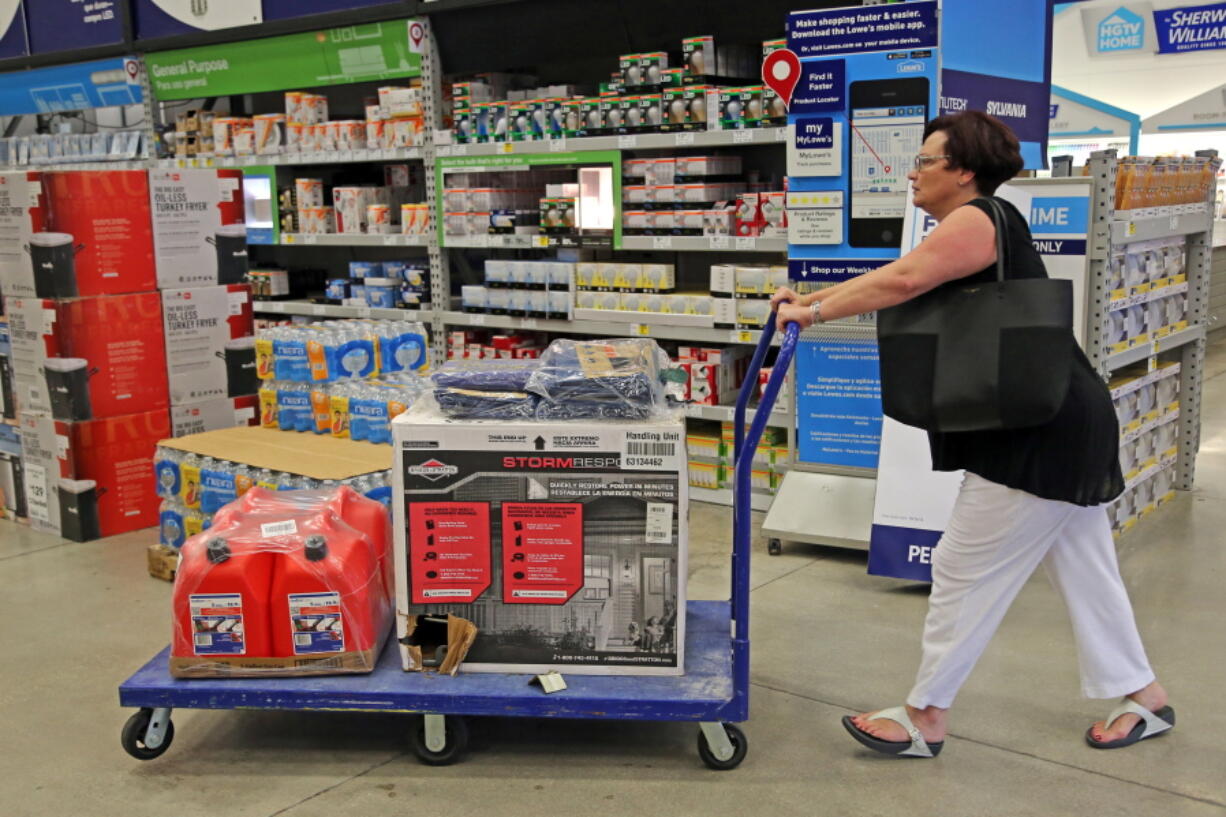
781,72
417,33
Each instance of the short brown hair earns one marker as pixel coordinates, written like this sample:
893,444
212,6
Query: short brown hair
981,144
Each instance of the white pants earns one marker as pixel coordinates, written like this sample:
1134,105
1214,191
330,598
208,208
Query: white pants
995,539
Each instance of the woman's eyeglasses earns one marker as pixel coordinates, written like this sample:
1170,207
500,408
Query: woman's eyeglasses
922,161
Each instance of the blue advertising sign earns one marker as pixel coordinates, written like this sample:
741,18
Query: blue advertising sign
832,270
13,42
1191,28
838,416
167,18
62,25
1022,105
902,553
76,87
283,9
822,87
860,30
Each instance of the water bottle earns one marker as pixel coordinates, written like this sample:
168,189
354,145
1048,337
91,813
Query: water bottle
268,404
189,471
321,408
166,470
361,407
217,479
379,487
244,479
170,523
266,478
340,410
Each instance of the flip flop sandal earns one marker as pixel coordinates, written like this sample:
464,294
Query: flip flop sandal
916,747
1151,724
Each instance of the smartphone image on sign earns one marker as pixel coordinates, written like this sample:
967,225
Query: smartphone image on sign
887,130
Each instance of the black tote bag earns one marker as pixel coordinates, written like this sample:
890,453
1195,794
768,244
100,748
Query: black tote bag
979,357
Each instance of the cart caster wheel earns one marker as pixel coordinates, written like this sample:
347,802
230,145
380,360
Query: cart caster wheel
774,547
740,746
133,736
456,731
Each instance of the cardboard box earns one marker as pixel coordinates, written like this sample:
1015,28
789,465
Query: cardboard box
318,457
211,415
78,234
89,479
198,232
89,358
209,351
163,562
596,515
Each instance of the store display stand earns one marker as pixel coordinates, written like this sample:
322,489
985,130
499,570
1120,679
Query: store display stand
714,691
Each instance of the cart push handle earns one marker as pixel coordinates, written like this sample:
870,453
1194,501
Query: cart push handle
742,454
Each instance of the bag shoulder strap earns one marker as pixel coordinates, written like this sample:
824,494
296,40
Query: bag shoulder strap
999,222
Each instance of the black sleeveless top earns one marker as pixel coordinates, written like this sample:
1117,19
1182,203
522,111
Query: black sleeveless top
1075,457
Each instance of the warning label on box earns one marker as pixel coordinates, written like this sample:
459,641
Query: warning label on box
542,551
449,551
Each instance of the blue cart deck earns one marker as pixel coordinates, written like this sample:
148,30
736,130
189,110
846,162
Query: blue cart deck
704,693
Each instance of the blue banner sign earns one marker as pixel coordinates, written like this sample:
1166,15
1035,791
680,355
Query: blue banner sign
1191,28
839,407
902,553
283,9
62,25
167,18
859,30
822,87
1024,106
832,270
76,87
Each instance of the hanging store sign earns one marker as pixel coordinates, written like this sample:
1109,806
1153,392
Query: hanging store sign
13,41
164,18
63,25
85,85
858,30
285,9
364,53
1191,28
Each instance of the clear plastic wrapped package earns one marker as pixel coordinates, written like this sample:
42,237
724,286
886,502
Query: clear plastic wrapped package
600,379
470,404
485,375
284,583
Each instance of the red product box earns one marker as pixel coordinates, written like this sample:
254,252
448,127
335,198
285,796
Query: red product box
199,233
93,478
748,219
210,352
704,383
89,358
76,234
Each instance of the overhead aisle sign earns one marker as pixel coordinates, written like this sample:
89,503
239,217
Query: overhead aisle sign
363,53
284,9
163,18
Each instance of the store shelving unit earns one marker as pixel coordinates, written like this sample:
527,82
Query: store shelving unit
354,239
632,141
1113,230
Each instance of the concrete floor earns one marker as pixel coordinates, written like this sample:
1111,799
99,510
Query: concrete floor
827,640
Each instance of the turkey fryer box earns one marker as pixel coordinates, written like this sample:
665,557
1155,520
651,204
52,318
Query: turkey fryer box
308,455
564,543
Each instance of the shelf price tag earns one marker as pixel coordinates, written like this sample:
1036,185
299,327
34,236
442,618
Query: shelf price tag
497,241
720,242
287,238
363,311
476,319
310,238
529,323
391,240
540,241
749,243
319,309
742,336
683,138
740,137
662,242
1131,229
557,145
506,147
459,150
628,142
1174,223
641,329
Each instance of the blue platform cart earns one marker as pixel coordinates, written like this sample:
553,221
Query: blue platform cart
714,692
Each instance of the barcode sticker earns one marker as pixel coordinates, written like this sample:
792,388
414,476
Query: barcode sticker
204,640
742,136
650,450
285,528
659,523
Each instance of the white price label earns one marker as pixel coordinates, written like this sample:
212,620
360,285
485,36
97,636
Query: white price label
642,329
286,528
627,142
319,309
683,138
347,156
530,323
662,242
750,243
36,492
781,134
391,240
476,319
740,137
659,523
310,238
1174,222
720,242
364,311
497,241
557,145
459,150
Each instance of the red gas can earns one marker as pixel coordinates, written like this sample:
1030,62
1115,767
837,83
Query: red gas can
327,592
221,598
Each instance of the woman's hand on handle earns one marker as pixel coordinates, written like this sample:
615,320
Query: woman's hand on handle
783,295
793,313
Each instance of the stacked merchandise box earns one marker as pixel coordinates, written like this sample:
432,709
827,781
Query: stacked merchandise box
562,540
709,449
76,267
200,242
